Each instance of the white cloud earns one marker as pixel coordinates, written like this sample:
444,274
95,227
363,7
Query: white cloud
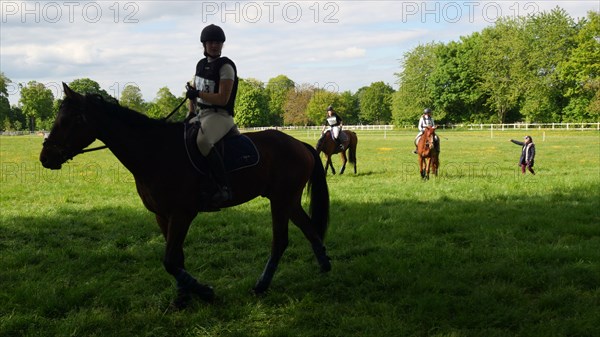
351,52
156,43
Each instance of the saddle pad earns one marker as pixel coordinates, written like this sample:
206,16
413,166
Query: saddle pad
343,137
238,151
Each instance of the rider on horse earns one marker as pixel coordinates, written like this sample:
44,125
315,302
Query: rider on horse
333,123
212,99
425,121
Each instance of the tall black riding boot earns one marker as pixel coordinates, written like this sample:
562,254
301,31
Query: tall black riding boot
339,143
217,168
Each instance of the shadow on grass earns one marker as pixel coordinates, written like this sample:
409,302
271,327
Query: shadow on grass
507,266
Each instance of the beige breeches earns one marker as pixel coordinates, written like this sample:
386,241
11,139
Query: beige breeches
213,126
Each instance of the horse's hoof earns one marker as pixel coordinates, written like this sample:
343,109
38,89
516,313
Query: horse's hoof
181,302
185,296
204,292
260,288
326,267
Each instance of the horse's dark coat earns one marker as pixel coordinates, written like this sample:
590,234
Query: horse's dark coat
169,186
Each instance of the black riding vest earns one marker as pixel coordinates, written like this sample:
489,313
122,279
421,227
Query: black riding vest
210,71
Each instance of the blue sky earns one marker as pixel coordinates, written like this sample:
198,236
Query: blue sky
338,45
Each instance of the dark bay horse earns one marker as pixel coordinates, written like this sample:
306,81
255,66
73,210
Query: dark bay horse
428,154
153,150
327,145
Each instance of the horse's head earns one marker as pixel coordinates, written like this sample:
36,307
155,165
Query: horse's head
429,136
70,133
320,147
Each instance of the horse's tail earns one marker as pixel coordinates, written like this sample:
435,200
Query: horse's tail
352,145
319,195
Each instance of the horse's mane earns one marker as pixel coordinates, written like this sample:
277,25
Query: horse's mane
124,114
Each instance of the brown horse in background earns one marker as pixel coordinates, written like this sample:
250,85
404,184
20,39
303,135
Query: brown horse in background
327,145
169,186
428,154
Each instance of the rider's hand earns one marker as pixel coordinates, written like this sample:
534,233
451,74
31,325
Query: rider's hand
192,93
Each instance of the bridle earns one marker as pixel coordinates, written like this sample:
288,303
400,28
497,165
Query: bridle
64,151
429,141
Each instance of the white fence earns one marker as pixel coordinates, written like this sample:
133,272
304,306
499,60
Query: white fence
491,127
529,126
497,127
319,127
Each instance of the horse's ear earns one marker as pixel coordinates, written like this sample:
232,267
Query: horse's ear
69,92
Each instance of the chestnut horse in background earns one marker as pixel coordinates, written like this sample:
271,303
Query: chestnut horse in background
154,152
327,145
428,154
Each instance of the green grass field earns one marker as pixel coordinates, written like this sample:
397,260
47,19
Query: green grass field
478,251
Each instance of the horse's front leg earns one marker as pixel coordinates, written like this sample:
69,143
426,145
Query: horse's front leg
278,246
421,167
187,285
329,164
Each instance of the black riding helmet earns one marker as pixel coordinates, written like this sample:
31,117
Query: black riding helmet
427,111
212,33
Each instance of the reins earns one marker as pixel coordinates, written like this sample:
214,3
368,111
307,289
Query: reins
175,110
104,146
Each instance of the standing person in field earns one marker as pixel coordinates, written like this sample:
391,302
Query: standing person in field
527,154
334,123
212,98
425,121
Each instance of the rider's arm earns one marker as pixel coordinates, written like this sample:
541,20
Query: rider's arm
219,98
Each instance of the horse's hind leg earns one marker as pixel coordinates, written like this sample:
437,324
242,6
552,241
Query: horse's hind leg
344,160
303,221
278,245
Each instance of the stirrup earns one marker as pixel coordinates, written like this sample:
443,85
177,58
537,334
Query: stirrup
221,195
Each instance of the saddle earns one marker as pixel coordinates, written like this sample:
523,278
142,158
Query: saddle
343,137
237,150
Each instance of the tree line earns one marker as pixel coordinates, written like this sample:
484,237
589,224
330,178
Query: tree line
279,102
540,68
